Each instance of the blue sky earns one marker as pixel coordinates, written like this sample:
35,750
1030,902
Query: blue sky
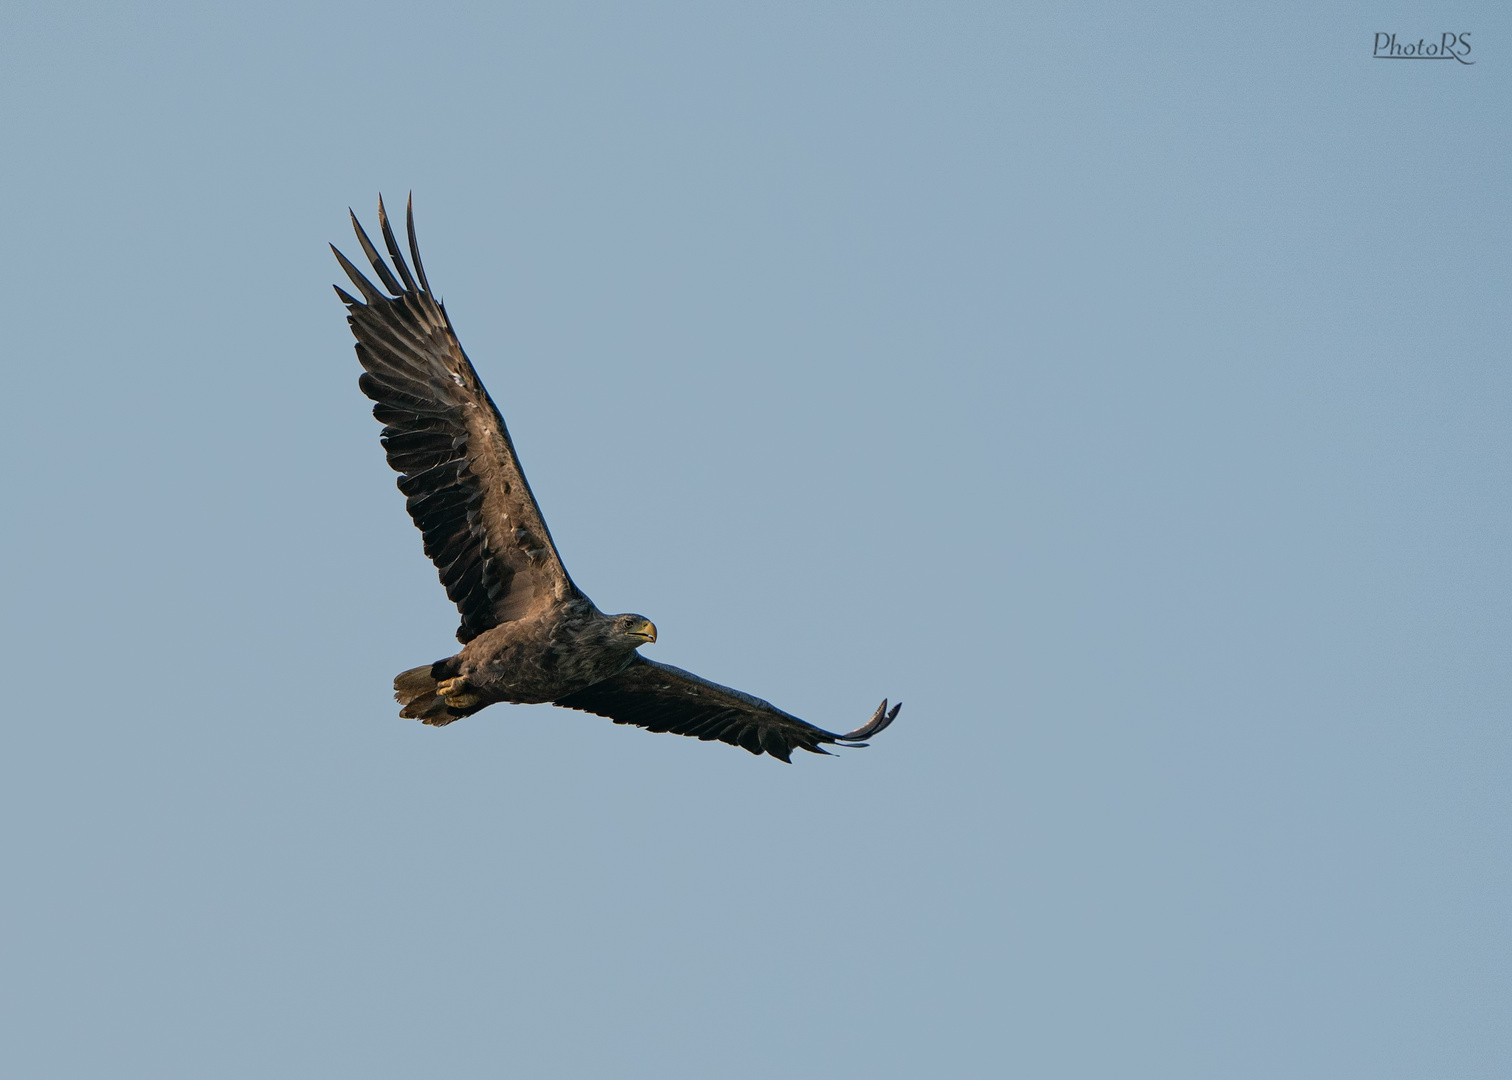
1125,390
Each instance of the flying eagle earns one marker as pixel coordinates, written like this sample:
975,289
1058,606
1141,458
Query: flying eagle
528,633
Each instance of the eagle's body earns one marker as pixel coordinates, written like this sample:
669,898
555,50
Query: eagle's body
528,633
545,656
569,646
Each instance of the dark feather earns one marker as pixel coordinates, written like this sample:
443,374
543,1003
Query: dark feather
414,424
367,249
387,393
418,461
393,248
409,226
419,442
439,478
364,286
462,578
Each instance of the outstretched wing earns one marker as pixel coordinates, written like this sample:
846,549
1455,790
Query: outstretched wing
463,485
659,697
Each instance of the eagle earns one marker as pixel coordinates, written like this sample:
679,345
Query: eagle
528,633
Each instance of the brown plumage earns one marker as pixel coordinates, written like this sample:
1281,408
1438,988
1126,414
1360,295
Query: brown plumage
528,633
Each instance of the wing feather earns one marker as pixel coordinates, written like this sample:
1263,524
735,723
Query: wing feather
659,697
364,286
393,247
409,227
462,481
372,254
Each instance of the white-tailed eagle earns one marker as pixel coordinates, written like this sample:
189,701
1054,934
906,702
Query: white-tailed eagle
528,633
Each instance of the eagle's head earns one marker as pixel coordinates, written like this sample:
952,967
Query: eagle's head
637,630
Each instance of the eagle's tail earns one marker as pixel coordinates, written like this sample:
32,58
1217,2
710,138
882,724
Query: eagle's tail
423,697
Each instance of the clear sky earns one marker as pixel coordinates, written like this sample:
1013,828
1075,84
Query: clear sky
1124,388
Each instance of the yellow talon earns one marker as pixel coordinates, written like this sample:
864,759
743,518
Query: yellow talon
455,693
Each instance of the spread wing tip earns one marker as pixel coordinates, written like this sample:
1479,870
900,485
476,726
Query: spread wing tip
878,723
405,282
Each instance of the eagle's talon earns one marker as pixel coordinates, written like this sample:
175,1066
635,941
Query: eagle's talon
455,693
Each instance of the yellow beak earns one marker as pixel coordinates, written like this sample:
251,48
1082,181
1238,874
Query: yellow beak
646,631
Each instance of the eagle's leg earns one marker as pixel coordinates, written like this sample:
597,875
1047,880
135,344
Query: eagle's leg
457,693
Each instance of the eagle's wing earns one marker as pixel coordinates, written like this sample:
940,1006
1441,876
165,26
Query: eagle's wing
659,697
464,486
